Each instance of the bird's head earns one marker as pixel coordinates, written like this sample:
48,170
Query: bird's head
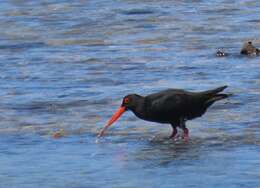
129,102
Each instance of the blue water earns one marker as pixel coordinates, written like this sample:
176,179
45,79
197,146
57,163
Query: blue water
65,66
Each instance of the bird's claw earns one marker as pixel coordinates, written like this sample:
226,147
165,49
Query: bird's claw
185,138
174,133
185,135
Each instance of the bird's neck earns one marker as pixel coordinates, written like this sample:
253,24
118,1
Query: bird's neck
140,110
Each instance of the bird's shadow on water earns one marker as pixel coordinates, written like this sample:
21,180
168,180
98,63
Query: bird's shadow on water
161,151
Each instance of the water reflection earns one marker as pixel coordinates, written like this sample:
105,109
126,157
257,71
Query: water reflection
164,151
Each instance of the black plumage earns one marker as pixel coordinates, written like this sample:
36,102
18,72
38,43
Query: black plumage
172,106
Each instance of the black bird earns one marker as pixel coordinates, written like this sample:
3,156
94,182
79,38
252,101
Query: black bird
173,106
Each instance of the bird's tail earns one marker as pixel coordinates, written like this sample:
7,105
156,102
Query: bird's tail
216,98
215,95
215,91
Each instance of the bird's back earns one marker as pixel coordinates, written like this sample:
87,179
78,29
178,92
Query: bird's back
170,105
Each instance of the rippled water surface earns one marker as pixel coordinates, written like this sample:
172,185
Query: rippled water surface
65,65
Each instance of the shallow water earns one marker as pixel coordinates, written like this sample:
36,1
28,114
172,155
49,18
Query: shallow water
65,65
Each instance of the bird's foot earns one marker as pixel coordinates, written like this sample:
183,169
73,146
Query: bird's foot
174,133
185,135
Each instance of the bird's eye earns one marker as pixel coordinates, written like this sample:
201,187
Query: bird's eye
126,100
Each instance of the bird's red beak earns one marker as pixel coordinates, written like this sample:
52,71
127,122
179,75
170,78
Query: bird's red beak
116,115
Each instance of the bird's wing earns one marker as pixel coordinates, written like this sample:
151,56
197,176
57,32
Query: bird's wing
177,101
174,103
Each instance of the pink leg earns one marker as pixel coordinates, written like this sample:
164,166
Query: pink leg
174,132
185,135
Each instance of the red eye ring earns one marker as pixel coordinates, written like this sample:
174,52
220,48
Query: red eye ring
126,100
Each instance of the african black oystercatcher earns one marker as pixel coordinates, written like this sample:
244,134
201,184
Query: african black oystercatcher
173,106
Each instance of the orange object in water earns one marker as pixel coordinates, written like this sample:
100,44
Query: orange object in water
58,134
